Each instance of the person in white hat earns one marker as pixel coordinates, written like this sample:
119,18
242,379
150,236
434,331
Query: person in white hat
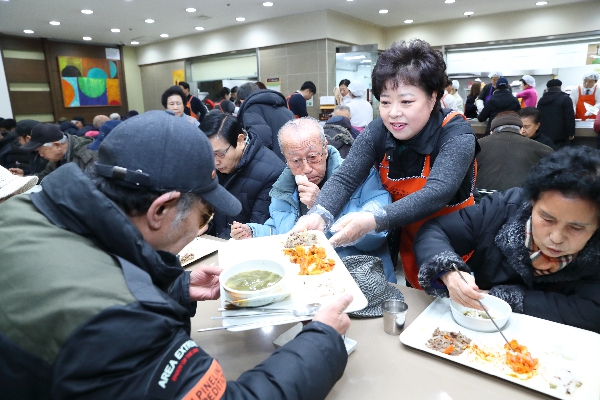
586,93
449,101
361,110
459,100
11,185
528,95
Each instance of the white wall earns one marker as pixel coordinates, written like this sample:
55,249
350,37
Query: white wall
5,108
543,21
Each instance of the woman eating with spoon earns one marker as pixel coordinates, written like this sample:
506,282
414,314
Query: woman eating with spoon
536,247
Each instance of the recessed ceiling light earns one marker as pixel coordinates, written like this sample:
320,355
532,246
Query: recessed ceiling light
449,1
383,11
240,19
87,12
408,21
267,4
469,13
87,38
26,30
349,0
54,23
191,9
164,35
541,3
199,28
135,42
149,21
115,30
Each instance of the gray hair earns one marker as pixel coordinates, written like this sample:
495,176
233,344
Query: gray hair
299,125
246,89
184,206
341,107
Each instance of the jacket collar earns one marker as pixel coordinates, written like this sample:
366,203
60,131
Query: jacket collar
70,201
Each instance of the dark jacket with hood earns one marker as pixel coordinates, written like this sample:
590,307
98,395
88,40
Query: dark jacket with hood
501,100
263,113
543,139
250,182
495,231
557,119
90,310
339,134
77,153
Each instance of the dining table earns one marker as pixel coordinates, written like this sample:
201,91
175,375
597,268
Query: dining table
380,367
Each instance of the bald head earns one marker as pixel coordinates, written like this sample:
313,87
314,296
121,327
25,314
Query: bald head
99,120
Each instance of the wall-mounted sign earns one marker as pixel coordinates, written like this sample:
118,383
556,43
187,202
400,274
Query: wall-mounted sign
274,84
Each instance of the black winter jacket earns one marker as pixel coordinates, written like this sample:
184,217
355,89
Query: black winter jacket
557,116
263,113
501,100
495,230
250,182
105,316
470,107
543,139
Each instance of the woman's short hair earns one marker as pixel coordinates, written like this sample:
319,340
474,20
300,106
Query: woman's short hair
225,125
574,171
530,112
344,82
411,63
173,91
224,92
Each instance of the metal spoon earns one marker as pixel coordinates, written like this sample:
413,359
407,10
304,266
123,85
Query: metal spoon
306,311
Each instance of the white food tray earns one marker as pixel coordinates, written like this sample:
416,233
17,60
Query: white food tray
271,248
551,343
199,247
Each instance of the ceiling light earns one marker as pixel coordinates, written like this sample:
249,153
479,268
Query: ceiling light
383,11
87,38
267,4
87,12
240,19
541,3
135,42
164,35
54,23
408,21
199,28
191,9
449,1
28,31
349,0
469,13
149,21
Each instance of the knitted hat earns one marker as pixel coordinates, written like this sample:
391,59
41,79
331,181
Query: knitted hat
554,83
367,272
12,184
507,118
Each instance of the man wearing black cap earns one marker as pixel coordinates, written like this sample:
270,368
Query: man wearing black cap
95,304
11,154
58,148
557,119
506,156
501,100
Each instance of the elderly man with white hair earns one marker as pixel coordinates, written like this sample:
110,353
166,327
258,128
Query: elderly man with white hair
361,110
488,90
586,93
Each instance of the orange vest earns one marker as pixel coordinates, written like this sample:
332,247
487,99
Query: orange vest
399,189
587,98
189,105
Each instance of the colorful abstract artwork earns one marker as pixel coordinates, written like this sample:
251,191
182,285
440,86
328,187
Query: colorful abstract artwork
89,82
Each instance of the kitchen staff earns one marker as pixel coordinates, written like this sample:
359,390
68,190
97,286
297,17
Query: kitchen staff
586,93
424,154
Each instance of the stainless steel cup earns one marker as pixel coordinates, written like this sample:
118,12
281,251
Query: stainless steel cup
394,315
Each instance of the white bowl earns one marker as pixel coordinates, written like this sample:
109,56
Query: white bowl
498,309
264,265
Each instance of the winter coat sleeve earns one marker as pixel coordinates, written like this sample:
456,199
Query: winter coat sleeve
260,210
569,117
282,220
257,125
485,113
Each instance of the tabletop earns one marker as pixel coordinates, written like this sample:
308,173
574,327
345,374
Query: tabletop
380,368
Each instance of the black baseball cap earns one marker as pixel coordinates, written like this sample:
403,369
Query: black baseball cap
502,82
25,126
162,152
43,133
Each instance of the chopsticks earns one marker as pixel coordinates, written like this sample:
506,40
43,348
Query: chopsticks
484,309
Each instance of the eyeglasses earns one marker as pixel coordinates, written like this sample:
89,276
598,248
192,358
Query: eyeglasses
297,162
207,217
221,154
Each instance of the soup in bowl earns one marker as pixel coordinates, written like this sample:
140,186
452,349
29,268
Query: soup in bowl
253,278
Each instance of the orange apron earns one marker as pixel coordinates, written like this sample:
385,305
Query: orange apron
587,98
189,105
400,188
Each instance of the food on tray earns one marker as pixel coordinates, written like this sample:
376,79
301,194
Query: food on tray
321,287
186,258
253,280
451,343
523,365
312,261
477,314
300,239
561,379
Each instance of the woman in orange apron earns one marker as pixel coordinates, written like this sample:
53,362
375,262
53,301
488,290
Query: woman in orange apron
425,155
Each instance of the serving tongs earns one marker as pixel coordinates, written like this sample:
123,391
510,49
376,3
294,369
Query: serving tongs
485,309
